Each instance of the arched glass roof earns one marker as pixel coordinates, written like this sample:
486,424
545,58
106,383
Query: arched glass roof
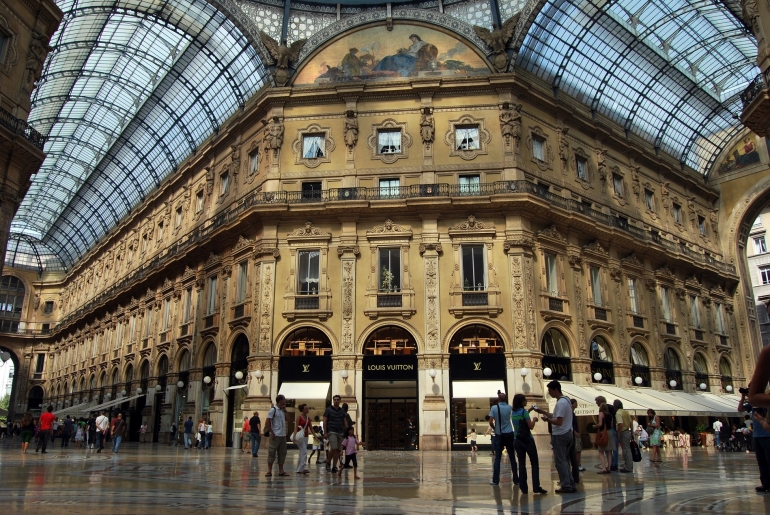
131,88
669,71
31,254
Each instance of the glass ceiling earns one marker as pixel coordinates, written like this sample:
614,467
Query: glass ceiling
134,86
668,71
130,90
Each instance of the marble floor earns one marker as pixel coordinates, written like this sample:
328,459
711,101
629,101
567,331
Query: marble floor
149,479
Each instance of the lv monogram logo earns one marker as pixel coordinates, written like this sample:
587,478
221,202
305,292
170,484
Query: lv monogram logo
476,366
305,368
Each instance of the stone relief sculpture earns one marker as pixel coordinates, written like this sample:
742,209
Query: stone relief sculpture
751,17
563,147
209,179
427,127
601,160
351,129
510,123
38,49
283,55
273,139
498,39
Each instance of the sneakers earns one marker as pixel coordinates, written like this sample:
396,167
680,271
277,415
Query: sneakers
335,470
565,491
539,491
493,483
761,489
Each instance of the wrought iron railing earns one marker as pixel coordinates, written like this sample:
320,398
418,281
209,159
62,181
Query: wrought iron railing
555,304
698,335
475,299
389,301
638,321
753,90
600,314
21,128
306,302
238,311
670,328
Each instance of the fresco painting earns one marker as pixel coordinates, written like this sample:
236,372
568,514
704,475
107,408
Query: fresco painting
742,154
376,54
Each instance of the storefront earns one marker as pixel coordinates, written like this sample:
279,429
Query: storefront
305,373
236,392
390,390
476,373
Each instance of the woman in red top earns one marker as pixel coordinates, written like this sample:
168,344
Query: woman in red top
301,430
245,437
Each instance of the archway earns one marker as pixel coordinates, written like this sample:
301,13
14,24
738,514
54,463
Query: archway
390,388
726,371
556,355
9,369
640,365
35,400
602,370
701,372
673,367
236,392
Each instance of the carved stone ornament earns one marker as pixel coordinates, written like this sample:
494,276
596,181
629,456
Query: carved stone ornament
272,138
595,248
472,225
388,228
309,230
212,260
460,137
351,130
632,261
348,249
314,156
664,271
188,273
524,242
545,163
392,154
424,247
243,243
552,233
11,56
497,39
427,126
284,56
262,251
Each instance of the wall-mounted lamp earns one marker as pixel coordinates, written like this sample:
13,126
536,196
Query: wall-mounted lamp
139,391
107,396
158,387
547,372
597,377
524,373
703,386
344,376
179,384
239,375
672,383
122,393
258,374
638,381
432,373
207,380
729,388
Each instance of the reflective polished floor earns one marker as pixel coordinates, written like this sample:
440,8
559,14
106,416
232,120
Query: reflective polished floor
152,479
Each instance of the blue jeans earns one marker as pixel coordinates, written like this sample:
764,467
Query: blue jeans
116,443
716,438
187,438
100,440
256,439
209,436
615,450
499,442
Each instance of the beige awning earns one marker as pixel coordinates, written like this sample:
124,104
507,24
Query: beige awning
476,389
305,391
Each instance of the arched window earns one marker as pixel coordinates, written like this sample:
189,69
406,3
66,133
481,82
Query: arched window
602,370
162,366
390,340
726,371
673,369
144,375
556,359
476,339
11,301
640,365
600,350
701,372
208,374
35,398
184,361
307,341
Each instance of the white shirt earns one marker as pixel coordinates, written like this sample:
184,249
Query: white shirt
101,423
636,425
277,421
717,426
563,409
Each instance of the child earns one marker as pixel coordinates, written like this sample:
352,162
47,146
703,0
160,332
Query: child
316,445
79,436
474,448
351,445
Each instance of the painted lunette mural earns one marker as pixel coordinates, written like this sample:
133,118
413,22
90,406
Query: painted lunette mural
376,54
743,154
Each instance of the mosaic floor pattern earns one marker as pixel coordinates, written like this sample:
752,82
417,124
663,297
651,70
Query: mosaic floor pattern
148,479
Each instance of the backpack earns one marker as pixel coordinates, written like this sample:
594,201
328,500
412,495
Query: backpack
523,432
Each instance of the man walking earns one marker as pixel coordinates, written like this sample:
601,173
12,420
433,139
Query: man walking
188,428
117,430
623,425
102,423
66,433
336,426
172,434
46,428
561,436
91,430
276,427
717,428
500,416
255,428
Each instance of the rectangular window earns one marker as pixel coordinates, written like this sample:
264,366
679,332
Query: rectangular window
40,363
702,225
179,216
199,202
764,272
474,277
757,222
389,188
470,184
596,286
677,213
390,270
119,335
166,313
144,243
633,299
254,161
211,301
311,190
107,340
389,142
694,311
467,138
720,318
649,200
160,231
309,272
551,275
148,322
581,163
132,330
224,183
187,305
538,148
243,281
95,349
760,246
617,184
313,146
666,304
48,309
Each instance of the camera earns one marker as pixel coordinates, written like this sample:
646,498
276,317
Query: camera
744,391
749,409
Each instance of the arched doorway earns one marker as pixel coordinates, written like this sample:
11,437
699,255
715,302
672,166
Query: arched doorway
556,356
8,369
476,373
209,376
160,397
640,365
390,388
35,400
236,392
136,414
602,370
305,371
701,372
673,369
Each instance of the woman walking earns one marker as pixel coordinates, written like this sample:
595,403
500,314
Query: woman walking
300,437
605,451
524,444
245,435
27,431
209,433
655,432
201,435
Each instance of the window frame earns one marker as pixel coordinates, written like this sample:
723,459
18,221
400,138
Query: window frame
473,286
760,244
392,250
308,252
467,127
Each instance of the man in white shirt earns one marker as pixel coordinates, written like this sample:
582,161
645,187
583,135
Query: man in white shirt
276,427
102,423
717,425
635,429
561,436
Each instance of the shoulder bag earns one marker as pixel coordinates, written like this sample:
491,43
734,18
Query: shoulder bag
523,433
602,438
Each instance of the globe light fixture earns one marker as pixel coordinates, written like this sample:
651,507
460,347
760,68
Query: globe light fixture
344,375
432,373
703,386
639,381
672,383
123,393
207,380
158,387
138,391
597,377
729,388
524,372
180,384
258,375
547,372
239,375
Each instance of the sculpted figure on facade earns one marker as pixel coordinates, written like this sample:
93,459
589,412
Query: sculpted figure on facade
273,139
751,17
209,179
601,161
563,147
284,55
38,49
497,39
510,122
351,130
427,127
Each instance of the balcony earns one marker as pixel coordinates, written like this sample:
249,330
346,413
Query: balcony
475,299
756,105
670,328
638,321
599,317
697,334
210,325
481,301
556,305
240,315
21,128
389,301
600,314
306,302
